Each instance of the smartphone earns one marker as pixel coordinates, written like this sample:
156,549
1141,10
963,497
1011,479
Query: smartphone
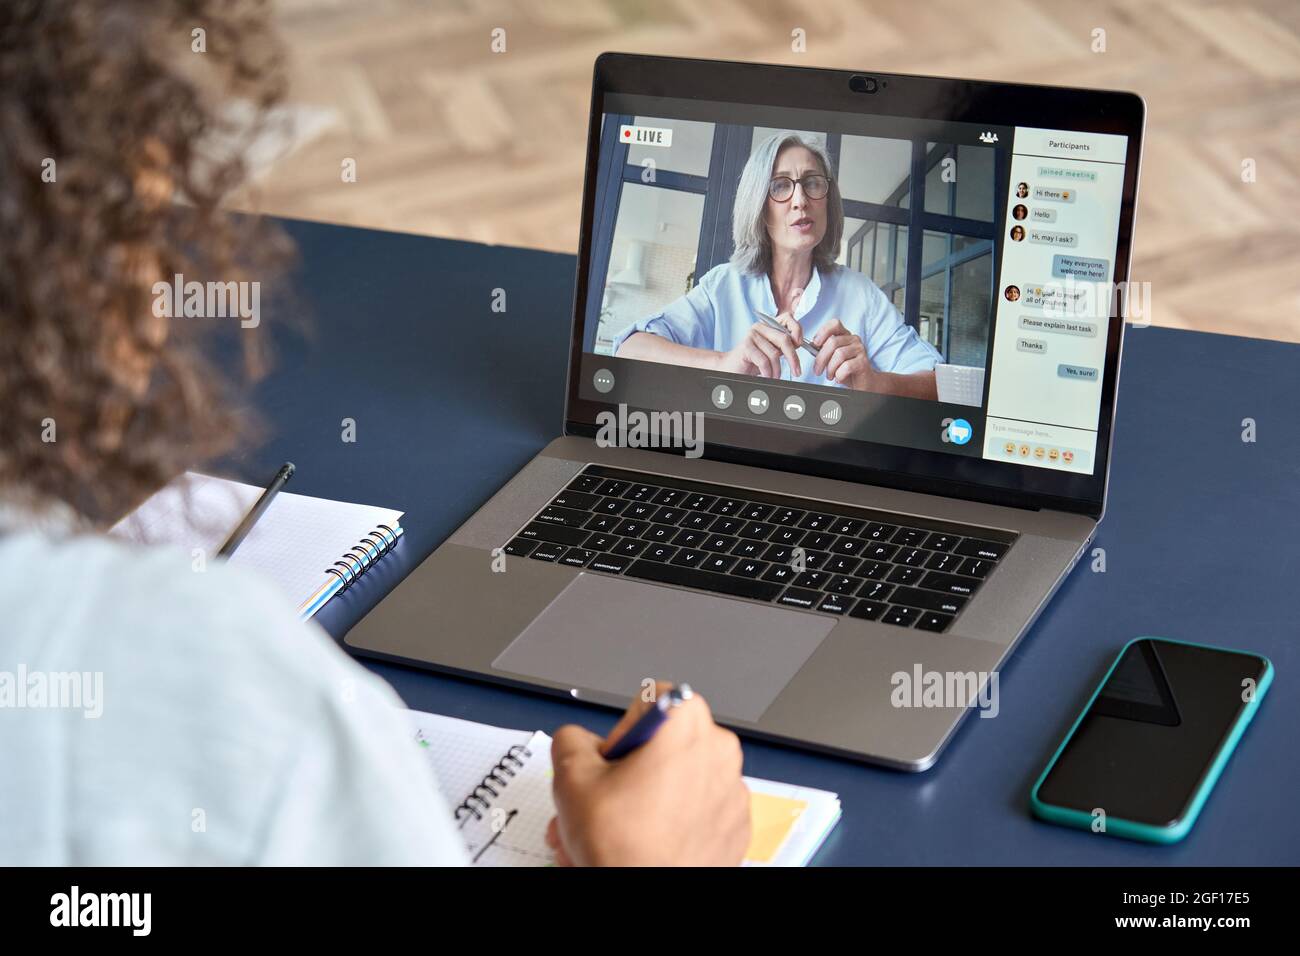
1145,753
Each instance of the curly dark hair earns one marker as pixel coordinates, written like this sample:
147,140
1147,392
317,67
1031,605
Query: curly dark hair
123,127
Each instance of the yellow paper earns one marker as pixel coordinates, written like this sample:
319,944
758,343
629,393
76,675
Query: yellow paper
772,819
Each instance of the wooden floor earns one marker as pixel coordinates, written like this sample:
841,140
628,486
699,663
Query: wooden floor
451,139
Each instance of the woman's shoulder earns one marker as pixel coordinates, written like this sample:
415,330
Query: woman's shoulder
205,682
846,281
160,611
851,287
723,274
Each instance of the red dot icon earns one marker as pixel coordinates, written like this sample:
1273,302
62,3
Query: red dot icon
627,133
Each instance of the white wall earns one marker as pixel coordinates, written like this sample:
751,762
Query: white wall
666,222
871,168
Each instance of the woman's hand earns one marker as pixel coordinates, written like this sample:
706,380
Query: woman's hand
677,800
761,350
842,357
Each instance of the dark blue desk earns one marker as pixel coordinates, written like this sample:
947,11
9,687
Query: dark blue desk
451,398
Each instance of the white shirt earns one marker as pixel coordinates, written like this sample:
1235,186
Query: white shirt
229,733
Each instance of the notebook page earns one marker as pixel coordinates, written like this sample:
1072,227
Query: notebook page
291,546
461,752
512,831
789,822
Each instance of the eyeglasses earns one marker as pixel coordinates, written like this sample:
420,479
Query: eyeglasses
815,186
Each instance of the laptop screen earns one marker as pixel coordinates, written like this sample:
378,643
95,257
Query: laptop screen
842,281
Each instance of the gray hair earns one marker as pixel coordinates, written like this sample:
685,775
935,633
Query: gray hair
753,246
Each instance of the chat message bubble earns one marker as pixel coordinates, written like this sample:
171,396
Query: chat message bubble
1042,214
1033,346
1064,172
1081,267
1054,193
1068,297
1080,373
1055,299
1034,323
1046,237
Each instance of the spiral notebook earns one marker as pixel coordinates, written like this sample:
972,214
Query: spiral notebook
498,783
309,548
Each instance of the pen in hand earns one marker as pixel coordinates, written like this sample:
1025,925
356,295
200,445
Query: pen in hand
771,322
649,722
259,508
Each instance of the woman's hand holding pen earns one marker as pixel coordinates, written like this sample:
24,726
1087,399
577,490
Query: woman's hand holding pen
761,350
842,357
678,799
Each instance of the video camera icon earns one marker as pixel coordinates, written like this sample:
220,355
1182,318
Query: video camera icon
758,402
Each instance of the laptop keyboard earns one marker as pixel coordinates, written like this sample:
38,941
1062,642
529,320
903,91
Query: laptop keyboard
816,556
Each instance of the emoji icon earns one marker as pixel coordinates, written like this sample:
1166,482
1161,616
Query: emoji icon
1010,448
1053,454
1024,451
1038,451
1068,456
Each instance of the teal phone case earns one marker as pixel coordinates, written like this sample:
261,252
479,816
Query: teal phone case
1131,829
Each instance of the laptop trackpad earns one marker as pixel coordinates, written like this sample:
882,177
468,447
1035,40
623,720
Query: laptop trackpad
609,634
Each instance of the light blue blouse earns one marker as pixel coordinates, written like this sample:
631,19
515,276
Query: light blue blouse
718,312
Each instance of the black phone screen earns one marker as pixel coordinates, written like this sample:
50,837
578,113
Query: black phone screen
1150,735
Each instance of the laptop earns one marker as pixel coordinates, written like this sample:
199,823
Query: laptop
839,529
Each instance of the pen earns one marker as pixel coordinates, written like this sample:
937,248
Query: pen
649,722
259,508
770,320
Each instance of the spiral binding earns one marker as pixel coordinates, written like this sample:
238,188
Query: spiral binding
496,780
363,554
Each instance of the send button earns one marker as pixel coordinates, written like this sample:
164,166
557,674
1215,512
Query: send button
1077,372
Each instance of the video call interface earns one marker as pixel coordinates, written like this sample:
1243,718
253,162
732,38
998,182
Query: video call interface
933,285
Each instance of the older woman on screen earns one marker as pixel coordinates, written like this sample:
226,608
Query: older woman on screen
787,224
